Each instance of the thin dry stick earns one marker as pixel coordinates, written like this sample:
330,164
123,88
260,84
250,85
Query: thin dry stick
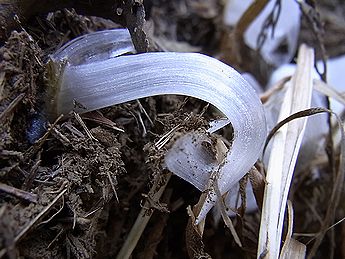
194,244
97,116
292,248
339,181
328,91
2,84
283,157
54,215
11,106
81,122
35,221
31,197
248,17
142,109
313,18
113,186
144,216
225,216
156,235
31,176
315,235
38,217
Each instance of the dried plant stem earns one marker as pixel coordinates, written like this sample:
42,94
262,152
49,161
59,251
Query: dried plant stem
82,123
285,148
39,217
237,53
35,221
194,233
11,106
249,16
337,190
144,216
18,193
292,248
246,19
225,216
157,233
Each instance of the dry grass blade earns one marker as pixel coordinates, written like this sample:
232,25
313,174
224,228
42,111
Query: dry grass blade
329,91
225,216
98,117
257,180
300,114
285,148
264,97
291,247
194,243
246,19
112,184
338,189
144,216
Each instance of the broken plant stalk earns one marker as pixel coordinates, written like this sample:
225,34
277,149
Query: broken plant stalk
285,148
144,216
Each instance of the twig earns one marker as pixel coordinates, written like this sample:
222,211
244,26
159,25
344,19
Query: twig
112,186
142,109
81,122
2,84
225,216
33,222
31,176
157,230
11,106
142,123
314,235
144,216
194,243
18,193
97,116
166,137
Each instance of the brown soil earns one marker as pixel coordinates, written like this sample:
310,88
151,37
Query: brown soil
66,195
